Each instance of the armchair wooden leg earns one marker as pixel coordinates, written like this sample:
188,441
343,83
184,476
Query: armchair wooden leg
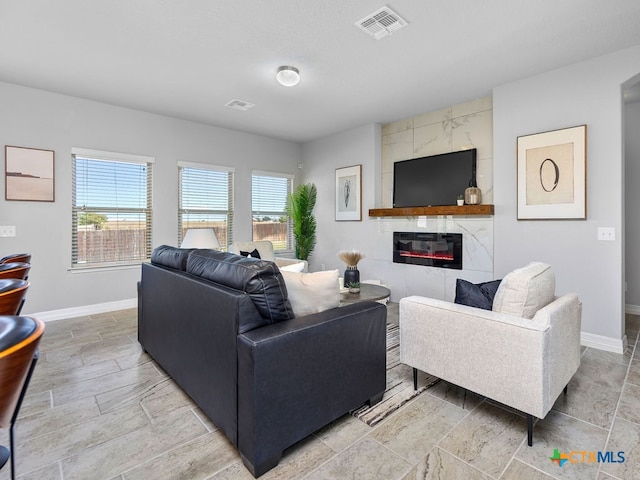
415,379
530,430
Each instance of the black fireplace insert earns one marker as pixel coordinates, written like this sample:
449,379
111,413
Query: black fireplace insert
428,249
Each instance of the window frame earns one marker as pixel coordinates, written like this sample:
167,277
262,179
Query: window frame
147,211
230,199
290,185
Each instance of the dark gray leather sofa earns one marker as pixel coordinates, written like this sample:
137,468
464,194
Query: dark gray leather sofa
221,326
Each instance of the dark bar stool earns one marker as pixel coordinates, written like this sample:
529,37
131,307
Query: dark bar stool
12,295
19,340
14,270
16,258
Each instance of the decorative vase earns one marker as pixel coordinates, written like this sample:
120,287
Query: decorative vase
472,196
460,202
351,275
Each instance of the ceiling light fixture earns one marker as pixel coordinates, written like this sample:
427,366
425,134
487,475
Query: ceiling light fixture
288,76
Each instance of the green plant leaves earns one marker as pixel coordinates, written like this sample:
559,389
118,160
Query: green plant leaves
300,205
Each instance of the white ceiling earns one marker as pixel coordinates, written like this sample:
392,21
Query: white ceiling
187,59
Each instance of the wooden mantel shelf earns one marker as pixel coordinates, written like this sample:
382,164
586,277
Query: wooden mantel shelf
483,209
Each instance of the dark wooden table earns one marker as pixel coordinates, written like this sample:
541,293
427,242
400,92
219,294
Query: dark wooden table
368,291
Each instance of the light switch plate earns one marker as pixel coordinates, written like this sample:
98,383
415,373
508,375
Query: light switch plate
607,234
8,231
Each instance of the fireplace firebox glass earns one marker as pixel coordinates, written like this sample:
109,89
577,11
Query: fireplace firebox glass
428,249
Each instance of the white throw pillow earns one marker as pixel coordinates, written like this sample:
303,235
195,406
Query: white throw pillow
294,267
525,290
312,292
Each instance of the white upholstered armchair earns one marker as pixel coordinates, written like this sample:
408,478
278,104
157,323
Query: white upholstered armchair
521,354
265,249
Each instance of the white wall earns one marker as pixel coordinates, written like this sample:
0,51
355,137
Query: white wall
632,204
38,119
585,93
360,146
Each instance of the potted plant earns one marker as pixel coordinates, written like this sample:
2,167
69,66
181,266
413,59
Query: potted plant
460,200
300,205
354,287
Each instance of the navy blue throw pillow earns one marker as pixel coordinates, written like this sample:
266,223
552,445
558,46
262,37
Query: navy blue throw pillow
254,254
476,295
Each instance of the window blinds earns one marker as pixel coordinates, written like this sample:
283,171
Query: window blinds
111,212
206,200
269,192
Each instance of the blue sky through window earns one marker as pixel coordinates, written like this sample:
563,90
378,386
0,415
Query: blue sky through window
109,184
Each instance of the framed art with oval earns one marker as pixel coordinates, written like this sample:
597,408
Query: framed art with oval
552,169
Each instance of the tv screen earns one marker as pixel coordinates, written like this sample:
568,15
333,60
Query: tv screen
434,180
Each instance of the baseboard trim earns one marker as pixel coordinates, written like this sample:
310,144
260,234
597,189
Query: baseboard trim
85,310
603,343
632,309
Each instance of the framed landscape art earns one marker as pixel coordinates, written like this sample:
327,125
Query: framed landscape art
29,174
349,193
552,171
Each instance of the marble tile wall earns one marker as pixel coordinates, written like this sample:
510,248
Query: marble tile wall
464,126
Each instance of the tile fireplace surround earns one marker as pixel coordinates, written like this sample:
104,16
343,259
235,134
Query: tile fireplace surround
459,127
405,280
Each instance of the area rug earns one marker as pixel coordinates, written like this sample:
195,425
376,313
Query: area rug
399,389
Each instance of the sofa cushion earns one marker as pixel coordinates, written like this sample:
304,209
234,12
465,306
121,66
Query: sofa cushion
260,279
312,292
525,290
479,295
172,257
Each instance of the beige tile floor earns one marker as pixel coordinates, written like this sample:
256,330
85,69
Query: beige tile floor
99,408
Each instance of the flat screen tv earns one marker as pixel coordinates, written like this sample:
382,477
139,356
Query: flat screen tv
433,180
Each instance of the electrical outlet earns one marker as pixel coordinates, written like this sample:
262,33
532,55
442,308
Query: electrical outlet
8,231
607,234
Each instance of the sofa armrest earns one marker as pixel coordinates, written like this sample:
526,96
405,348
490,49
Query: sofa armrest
297,376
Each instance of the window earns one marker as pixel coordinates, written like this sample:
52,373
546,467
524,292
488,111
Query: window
206,200
111,213
269,193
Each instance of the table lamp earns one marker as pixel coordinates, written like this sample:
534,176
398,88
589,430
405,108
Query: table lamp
200,238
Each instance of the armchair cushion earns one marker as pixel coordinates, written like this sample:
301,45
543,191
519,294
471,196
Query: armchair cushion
525,290
479,295
265,250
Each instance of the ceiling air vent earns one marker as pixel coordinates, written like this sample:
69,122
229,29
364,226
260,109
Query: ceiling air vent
381,23
239,105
